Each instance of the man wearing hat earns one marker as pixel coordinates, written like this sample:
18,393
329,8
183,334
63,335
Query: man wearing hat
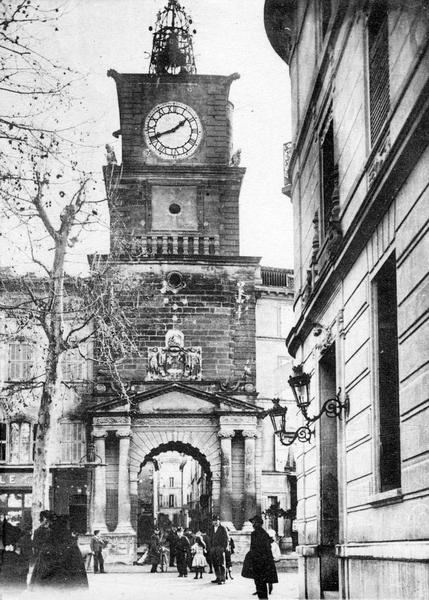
218,537
259,563
183,550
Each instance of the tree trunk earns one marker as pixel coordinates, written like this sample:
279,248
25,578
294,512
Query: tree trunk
54,330
42,459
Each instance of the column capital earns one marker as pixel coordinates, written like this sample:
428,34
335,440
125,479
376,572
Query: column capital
124,433
99,433
226,433
250,433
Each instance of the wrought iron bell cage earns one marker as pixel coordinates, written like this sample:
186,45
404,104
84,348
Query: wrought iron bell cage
172,47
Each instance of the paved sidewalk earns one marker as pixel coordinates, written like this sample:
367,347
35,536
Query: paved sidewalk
139,584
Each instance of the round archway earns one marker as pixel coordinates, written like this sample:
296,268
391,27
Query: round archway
182,448
174,489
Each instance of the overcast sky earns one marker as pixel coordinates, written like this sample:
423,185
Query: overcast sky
95,35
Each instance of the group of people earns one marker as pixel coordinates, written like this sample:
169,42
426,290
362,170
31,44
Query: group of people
52,553
213,549
195,551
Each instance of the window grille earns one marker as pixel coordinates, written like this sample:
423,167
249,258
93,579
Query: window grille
73,442
20,361
378,64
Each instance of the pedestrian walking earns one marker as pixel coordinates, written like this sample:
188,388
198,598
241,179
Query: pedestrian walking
259,562
218,543
97,546
182,552
171,539
59,563
199,562
155,550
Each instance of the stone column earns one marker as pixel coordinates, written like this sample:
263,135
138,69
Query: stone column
99,499
124,503
155,491
249,473
226,474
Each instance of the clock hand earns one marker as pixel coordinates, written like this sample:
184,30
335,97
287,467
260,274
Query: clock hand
172,130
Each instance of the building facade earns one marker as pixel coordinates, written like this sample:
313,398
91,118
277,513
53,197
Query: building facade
357,176
274,319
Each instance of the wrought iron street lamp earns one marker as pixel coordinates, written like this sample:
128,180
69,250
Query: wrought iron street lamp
300,384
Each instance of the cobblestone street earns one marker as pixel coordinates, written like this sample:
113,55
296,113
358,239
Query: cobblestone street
138,583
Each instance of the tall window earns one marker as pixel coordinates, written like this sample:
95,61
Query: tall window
74,366
171,481
328,174
3,441
171,501
378,64
20,442
20,361
73,442
386,316
284,321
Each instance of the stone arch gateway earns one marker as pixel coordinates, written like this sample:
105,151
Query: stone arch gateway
221,431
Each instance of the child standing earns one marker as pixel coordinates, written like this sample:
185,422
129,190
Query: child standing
198,562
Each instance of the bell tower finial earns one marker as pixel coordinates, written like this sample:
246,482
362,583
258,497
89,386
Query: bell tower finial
172,50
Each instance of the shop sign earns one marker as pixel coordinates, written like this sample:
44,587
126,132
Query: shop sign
16,479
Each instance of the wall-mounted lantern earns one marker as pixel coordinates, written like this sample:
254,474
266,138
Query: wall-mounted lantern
300,384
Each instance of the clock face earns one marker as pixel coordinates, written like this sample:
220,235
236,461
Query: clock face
173,130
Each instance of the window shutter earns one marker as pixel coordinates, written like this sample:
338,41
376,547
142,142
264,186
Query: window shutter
379,92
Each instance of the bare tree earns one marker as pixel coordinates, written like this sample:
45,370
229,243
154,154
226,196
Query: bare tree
46,205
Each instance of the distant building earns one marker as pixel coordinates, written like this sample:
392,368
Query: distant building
357,173
274,319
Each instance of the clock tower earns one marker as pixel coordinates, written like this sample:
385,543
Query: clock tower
189,295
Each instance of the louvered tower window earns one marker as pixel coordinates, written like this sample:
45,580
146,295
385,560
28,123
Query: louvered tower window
378,49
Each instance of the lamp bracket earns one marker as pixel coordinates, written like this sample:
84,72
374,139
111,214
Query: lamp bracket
331,407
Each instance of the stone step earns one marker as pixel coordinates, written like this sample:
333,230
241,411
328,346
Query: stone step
327,595
288,563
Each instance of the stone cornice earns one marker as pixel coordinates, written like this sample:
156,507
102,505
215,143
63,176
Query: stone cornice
179,259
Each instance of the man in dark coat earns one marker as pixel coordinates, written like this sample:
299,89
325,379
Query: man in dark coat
172,542
97,544
260,557
155,550
183,550
218,537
